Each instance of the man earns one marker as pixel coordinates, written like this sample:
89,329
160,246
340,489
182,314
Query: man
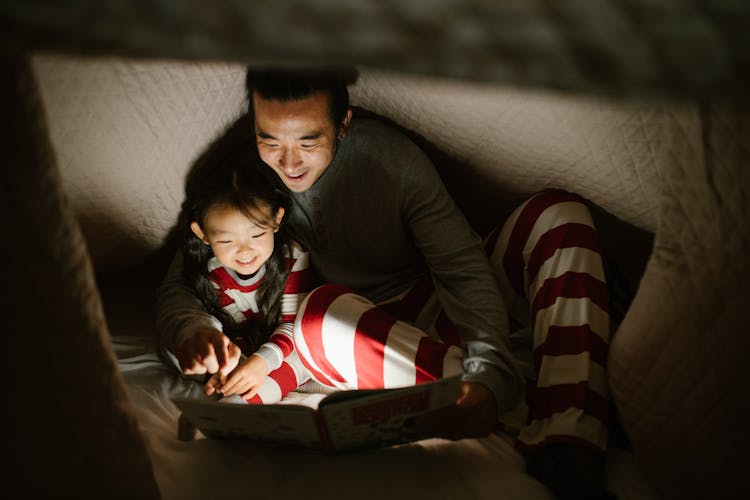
376,217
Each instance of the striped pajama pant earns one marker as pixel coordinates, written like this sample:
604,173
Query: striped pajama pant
547,262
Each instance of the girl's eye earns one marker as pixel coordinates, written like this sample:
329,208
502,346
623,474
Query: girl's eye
226,242
259,235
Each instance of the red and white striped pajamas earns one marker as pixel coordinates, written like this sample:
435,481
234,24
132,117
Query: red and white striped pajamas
347,342
238,298
552,277
547,260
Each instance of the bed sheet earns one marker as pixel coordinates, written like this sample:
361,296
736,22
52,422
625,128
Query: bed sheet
487,468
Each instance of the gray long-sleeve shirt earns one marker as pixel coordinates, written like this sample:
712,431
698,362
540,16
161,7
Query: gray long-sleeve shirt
378,220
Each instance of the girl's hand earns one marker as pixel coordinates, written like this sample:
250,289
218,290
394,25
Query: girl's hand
214,384
247,378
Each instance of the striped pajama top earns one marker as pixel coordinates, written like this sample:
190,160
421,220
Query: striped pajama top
238,298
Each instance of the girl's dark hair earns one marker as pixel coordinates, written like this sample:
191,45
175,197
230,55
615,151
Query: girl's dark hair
299,82
239,180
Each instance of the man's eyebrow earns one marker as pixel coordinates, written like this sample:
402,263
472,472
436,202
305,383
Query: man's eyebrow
312,136
308,137
265,135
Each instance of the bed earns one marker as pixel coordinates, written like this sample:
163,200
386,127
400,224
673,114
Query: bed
95,155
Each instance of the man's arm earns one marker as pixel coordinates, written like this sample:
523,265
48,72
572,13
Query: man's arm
190,338
464,281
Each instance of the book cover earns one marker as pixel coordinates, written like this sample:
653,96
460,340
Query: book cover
341,421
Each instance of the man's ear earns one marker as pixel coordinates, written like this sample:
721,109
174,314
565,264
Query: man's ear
196,228
277,218
344,125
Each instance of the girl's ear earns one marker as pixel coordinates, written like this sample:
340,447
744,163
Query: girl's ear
277,218
195,227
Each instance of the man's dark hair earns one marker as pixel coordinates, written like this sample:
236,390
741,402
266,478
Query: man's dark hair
299,82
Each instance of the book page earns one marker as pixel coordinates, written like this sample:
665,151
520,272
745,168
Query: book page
288,424
366,419
311,400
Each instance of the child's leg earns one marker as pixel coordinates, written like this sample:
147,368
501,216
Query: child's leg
281,381
552,276
346,341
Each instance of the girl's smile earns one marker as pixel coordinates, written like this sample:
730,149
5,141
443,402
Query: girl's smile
237,241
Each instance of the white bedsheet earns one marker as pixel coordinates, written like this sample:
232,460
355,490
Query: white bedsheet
433,469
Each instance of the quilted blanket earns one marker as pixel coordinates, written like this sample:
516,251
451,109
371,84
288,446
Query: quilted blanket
656,133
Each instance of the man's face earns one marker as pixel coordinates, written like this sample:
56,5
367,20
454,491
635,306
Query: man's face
295,138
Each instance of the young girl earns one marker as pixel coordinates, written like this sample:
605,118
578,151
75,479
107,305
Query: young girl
242,266
248,274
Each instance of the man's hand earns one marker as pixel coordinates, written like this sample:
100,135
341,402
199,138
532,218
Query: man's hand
208,351
474,415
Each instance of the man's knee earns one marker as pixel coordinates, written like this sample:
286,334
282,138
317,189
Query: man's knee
326,301
560,207
317,302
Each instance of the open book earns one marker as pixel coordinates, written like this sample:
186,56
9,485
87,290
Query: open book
342,421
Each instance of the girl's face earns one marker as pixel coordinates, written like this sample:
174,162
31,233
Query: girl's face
237,241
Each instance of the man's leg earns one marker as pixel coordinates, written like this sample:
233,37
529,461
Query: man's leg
551,273
346,341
